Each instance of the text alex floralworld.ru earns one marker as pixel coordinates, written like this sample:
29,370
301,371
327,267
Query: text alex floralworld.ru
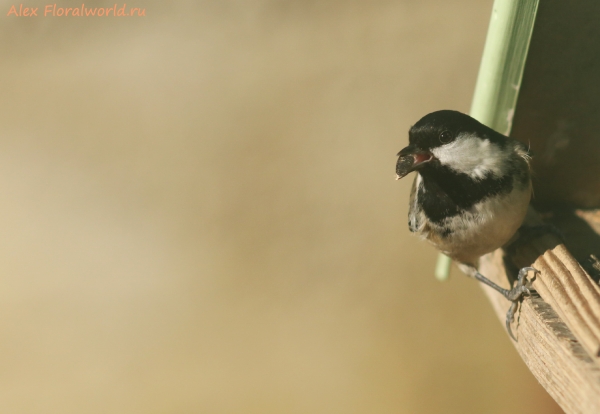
53,11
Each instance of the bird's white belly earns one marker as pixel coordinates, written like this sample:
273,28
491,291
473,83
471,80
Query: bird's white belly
487,226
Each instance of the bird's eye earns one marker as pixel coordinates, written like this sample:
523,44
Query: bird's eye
445,137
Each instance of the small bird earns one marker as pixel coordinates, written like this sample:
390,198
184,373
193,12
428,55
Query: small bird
471,191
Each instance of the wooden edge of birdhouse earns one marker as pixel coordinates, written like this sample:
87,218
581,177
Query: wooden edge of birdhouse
558,327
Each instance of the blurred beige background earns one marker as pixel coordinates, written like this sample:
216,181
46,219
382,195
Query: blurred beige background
199,214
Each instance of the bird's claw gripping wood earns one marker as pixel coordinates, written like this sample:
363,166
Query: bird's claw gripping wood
515,294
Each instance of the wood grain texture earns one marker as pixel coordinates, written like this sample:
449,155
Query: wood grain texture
557,328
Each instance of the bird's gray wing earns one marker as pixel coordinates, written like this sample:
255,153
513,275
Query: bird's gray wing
414,210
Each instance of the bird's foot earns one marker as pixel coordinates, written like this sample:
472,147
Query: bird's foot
520,289
515,295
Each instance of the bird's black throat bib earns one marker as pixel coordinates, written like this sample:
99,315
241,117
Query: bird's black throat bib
446,193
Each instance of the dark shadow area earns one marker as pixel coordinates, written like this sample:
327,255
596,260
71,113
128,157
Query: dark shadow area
580,238
558,115
559,104
520,254
563,225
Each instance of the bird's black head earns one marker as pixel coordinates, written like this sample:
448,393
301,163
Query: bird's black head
442,127
452,139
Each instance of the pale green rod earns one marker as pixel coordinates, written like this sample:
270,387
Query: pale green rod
500,74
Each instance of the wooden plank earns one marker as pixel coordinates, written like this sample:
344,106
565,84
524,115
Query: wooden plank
557,329
552,353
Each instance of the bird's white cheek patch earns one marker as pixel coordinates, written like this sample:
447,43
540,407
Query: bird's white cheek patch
473,156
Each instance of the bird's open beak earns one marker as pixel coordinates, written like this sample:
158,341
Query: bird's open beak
410,159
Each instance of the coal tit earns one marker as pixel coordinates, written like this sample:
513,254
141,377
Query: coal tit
471,191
